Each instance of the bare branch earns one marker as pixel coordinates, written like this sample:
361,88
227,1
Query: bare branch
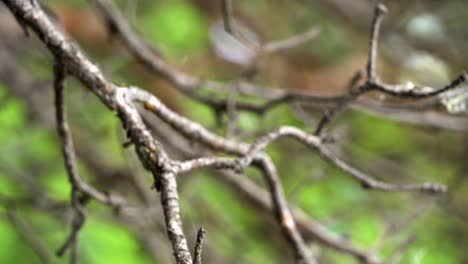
155,159
263,162
226,6
77,223
329,115
260,199
281,209
144,53
370,183
379,12
310,228
188,84
79,187
280,205
291,42
170,203
70,60
70,164
409,90
197,255
262,142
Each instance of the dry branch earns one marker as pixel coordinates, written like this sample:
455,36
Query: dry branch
71,61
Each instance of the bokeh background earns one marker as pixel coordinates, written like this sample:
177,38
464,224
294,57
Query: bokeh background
421,41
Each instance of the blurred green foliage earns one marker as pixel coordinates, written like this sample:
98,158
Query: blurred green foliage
40,146
176,26
181,29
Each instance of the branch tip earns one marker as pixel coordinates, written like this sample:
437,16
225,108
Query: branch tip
197,256
380,9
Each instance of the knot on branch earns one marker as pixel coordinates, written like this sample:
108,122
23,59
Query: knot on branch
239,165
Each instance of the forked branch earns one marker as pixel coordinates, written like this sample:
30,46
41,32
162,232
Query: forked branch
152,154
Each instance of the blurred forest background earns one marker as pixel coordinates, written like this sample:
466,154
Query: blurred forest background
421,41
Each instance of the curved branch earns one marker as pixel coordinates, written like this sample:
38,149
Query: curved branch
152,154
70,165
187,83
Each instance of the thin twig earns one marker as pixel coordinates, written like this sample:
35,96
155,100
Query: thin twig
373,83
232,28
228,21
252,152
152,153
155,159
170,203
291,42
197,254
379,12
410,90
330,114
310,228
263,162
70,164
370,183
141,50
282,211
260,199
187,83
